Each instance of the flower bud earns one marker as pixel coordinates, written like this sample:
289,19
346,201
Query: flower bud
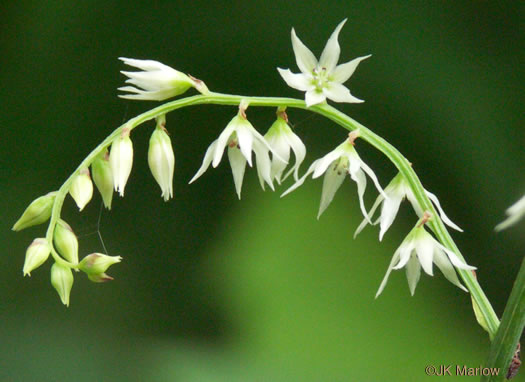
66,242
96,264
103,178
82,188
121,160
37,212
62,280
36,255
161,159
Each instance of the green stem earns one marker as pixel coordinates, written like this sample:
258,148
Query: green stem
507,337
402,164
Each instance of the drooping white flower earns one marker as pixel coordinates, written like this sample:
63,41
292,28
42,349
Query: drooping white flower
161,159
282,139
121,160
324,78
241,138
336,165
156,82
420,250
514,213
396,191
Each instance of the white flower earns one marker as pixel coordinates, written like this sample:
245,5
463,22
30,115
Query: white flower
397,190
324,78
420,250
121,160
335,165
282,139
161,159
157,81
241,138
515,213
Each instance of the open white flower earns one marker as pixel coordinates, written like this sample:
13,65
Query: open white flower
420,250
241,138
282,139
156,82
515,213
396,191
336,165
324,78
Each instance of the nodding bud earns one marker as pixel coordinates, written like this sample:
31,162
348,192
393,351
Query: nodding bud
96,264
66,242
37,212
62,280
103,178
121,160
82,188
36,255
161,158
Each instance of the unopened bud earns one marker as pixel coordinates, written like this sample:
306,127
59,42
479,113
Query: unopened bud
62,280
161,158
37,212
121,161
66,242
96,264
36,255
82,188
103,178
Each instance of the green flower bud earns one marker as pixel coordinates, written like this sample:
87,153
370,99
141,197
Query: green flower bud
37,212
62,280
96,264
161,159
103,177
36,255
66,242
82,188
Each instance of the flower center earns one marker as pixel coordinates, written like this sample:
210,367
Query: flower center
320,77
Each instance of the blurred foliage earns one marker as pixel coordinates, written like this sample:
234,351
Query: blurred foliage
216,289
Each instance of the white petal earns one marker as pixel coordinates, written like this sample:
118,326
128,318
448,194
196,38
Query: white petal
444,264
405,251
314,97
395,258
331,51
297,81
372,176
363,224
343,72
302,179
245,138
413,271
238,165
360,178
206,161
306,61
458,263
425,253
222,141
413,201
281,147
333,178
144,64
444,217
515,213
326,161
388,213
299,150
263,163
339,93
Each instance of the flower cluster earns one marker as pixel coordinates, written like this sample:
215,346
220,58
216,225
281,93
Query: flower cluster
111,169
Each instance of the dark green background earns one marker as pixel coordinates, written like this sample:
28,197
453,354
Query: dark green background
216,289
